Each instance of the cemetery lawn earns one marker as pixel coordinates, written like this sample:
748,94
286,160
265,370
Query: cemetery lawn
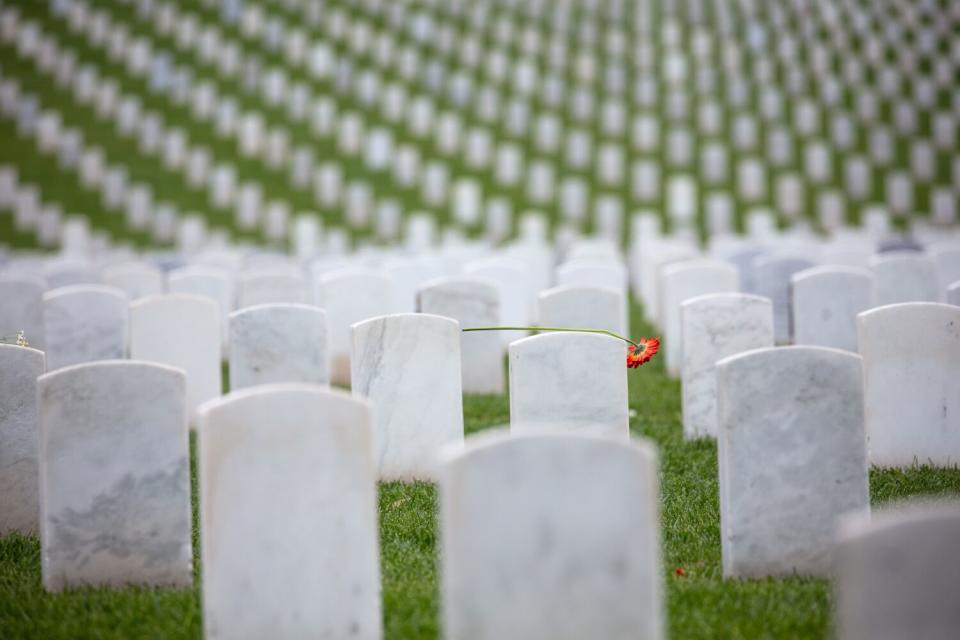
700,604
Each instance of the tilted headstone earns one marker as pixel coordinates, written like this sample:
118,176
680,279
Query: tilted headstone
896,574
580,307
551,536
278,343
21,308
569,381
84,323
679,282
115,476
351,295
472,302
408,366
299,457
826,302
912,393
182,331
715,327
19,429
792,457
905,276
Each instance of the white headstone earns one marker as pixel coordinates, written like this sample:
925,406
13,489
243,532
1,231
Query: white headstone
912,393
183,331
512,280
408,365
472,302
278,343
905,276
19,429
594,500
135,279
288,501
115,476
714,327
792,457
825,304
583,307
569,382
21,308
771,279
351,295
84,323
272,285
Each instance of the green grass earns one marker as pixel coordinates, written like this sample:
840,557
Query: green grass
700,604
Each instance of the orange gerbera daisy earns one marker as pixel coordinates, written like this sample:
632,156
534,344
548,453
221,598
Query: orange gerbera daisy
642,352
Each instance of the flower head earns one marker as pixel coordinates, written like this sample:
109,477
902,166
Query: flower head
642,352
22,340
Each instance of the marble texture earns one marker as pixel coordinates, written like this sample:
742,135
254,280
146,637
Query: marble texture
898,574
350,295
408,366
84,323
135,279
19,429
21,308
905,276
911,371
269,286
114,476
551,536
278,343
771,279
826,302
792,457
576,307
472,302
298,458
715,327
569,382
679,282
512,280
182,331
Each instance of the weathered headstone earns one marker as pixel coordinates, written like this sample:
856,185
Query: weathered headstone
408,365
715,327
299,457
912,393
792,457
569,382
19,429
114,476
183,331
551,536
84,323
826,302
278,343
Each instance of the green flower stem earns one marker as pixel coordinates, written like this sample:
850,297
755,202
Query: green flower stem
601,331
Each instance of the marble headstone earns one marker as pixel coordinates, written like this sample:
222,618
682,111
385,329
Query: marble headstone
271,286
472,302
715,327
771,279
513,281
551,536
278,343
911,372
19,426
21,308
351,295
679,282
826,301
408,365
569,382
288,510
84,323
134,279
896,574
792,457
114,476
183,331
577,307
905,276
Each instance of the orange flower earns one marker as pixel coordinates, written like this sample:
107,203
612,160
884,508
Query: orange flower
679,572
642,352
